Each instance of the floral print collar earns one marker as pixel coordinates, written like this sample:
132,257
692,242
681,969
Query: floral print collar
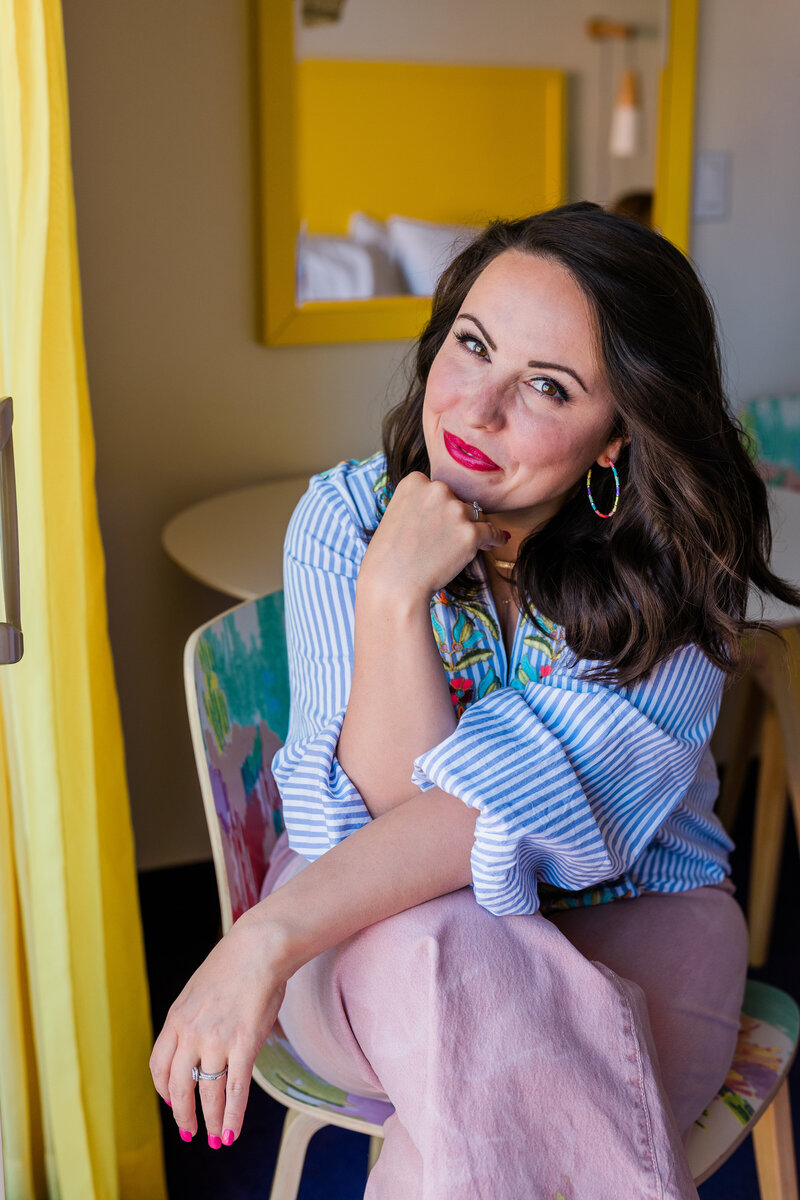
468,638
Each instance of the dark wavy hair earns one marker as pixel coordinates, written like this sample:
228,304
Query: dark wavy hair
691,534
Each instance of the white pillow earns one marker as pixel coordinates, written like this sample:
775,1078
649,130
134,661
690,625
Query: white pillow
366,231
332,268
424,248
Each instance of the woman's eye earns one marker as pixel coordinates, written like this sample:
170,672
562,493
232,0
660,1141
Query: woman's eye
549,387
472,344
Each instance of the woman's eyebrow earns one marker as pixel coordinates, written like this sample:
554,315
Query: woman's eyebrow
475,321
558,367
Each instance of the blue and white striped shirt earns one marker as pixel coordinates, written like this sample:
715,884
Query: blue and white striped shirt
577,783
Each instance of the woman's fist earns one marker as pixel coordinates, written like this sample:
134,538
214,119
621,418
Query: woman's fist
426,536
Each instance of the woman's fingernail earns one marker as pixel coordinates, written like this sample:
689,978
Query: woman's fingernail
185,1135
168,1103
227,1137
215,1142
506,534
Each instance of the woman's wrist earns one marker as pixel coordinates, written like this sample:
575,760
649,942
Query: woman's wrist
272,940
397,598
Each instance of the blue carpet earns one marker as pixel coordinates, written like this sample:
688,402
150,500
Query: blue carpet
181,922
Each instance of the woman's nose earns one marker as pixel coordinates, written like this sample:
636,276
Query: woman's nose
484,406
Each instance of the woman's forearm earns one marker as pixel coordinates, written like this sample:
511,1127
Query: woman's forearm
411,854
399,704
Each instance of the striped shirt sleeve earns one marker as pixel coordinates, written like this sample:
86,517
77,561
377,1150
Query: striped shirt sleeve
322,556
572,779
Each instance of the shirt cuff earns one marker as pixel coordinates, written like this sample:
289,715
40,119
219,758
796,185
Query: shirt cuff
534,819
321,805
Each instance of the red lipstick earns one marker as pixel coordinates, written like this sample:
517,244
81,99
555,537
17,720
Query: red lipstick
468,456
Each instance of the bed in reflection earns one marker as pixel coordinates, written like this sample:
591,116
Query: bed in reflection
401,256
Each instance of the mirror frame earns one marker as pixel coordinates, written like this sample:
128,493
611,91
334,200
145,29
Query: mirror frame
388,318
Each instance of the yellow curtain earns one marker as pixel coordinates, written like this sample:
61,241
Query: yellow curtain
78,1112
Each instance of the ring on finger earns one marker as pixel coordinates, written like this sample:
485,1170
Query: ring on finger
198,1073
476,511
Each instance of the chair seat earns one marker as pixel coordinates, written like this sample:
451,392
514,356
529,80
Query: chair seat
764,1053
282,1073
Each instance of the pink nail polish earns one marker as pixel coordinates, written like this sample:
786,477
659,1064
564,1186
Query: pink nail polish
215,1142
168,1103
506,534
227,1137
185,1135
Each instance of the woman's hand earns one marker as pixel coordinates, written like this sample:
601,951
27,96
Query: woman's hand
225,1012
221,1018
424,539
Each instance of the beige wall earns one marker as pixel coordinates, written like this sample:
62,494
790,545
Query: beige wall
187,403
748,104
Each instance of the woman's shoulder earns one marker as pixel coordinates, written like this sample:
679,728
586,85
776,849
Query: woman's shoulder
354,475
353,493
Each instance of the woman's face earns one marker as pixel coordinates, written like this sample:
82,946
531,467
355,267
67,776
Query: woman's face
517,407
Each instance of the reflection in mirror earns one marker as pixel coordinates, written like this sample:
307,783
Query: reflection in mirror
392,131
364,232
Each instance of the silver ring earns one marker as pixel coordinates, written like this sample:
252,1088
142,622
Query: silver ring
477,510
197,1074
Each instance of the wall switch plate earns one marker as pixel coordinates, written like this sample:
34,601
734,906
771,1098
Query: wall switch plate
711,198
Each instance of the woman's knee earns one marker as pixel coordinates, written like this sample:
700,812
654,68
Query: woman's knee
688,953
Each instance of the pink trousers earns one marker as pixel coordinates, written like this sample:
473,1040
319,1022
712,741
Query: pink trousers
529,1058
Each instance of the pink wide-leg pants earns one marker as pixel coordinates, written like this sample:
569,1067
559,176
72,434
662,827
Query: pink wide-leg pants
528,1058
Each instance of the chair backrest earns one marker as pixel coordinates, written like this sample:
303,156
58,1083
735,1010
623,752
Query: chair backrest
237,693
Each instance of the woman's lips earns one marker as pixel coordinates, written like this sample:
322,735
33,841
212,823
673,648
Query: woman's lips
468,456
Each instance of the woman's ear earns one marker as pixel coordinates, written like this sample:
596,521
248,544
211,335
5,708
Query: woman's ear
613,449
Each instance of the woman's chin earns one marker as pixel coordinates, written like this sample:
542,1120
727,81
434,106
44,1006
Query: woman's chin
466,485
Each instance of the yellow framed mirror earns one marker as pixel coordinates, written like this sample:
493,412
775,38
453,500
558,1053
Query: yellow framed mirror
420,96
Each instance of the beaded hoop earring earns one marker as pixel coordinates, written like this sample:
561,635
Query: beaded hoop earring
589,491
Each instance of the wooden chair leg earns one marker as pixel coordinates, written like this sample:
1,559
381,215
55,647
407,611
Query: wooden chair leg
774,1147
770,822
748,701
298,1130
375,1147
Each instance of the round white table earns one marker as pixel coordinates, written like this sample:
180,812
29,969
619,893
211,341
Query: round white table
234,542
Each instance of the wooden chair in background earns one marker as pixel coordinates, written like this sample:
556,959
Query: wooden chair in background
768,705
769,695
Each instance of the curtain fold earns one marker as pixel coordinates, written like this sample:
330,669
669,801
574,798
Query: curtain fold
78,1111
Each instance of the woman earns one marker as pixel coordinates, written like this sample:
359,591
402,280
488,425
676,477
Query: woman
565,521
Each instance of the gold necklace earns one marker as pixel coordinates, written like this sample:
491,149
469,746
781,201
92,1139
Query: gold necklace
505,564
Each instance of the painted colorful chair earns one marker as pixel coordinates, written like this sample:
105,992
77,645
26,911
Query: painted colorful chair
237,693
